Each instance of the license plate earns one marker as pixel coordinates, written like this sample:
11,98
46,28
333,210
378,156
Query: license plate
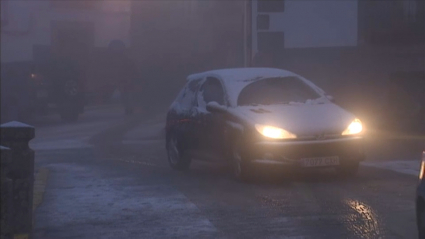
321,161
42,94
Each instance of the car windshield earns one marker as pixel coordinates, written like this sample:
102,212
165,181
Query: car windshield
277,90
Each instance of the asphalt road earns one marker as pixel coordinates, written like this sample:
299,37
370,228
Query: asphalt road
117,184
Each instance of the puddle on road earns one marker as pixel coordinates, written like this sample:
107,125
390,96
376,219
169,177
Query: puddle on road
348,217
364,223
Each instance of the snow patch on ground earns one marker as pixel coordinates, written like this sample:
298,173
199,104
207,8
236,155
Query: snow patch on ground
410,167
59,144
83,201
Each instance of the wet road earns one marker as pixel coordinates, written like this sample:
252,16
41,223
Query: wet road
122,187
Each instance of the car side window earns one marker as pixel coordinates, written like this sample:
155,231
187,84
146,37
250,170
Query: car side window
212,90
189,93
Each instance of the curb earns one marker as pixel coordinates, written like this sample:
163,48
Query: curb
40,182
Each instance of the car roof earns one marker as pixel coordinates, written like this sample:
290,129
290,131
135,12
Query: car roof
235,79
242,74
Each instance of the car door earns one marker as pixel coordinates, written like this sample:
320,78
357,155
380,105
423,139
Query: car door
212,124
192,115
185,125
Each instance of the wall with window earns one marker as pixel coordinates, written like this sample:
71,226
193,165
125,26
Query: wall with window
25,24
111,19
283,24
21,28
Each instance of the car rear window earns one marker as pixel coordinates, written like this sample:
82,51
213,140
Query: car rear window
278,90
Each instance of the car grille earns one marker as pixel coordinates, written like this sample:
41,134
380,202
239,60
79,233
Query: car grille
294,152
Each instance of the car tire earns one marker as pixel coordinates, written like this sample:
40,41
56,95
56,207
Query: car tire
348,169
242,169
176,154
421,224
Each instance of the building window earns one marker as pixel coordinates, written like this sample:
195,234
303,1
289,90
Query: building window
270,5
270,41
263,22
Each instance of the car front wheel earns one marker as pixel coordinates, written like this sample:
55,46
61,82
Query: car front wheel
176,156
420,219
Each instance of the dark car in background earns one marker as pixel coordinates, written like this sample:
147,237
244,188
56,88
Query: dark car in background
252,116
60,88
29,89
420,199
17,91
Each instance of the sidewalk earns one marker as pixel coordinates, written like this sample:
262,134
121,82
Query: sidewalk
147,131
396,151
40,182
135,139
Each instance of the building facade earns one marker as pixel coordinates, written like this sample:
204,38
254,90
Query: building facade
186,31
283,24
35,31
279,25
314,38
399,22
172,39
27,25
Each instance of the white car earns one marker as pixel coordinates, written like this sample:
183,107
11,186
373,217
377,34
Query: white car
251,116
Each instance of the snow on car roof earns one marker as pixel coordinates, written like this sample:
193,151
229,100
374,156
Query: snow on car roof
235,79
242,74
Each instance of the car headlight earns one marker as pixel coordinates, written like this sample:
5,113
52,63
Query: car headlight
355,127
274,132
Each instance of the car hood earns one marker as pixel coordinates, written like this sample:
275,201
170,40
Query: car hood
300,119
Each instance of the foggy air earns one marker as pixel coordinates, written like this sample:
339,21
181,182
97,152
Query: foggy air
212,119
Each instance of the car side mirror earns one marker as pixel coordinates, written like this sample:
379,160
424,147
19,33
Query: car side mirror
215,107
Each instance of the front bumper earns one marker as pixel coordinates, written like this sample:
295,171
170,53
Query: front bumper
292,152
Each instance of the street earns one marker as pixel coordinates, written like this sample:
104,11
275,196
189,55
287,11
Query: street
109,178
103,102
